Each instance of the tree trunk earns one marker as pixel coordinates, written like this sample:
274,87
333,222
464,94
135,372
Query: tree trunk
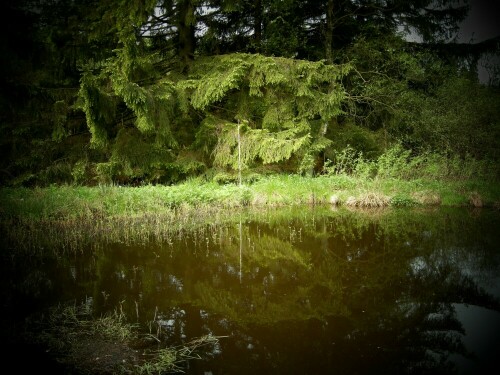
258,24
186,25
329,31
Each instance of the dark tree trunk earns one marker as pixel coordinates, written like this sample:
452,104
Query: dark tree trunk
329,31
258,24
186,25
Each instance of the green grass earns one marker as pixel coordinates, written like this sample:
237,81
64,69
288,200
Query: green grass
395,179
72,202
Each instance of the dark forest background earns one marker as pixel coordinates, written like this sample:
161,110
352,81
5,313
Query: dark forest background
138,92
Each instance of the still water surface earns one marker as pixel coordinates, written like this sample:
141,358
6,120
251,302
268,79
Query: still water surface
295,290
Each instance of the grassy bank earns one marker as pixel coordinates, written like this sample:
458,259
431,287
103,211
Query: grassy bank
60,202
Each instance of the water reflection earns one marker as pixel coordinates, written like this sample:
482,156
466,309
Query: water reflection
306,291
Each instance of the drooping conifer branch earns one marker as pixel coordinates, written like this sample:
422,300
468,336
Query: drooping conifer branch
287,96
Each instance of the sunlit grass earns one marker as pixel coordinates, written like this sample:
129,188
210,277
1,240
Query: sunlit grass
394,179
79,202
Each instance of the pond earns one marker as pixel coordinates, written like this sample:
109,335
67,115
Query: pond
304,290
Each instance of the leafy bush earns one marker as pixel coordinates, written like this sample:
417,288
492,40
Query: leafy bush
79,172
402,201
345,162
105,172
396,163
223,178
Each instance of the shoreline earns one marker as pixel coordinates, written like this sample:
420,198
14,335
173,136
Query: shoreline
68,201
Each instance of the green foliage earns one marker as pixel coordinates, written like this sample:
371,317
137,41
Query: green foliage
154,106
256,144
106,172
314,88
344,162
144,91
60,117
346,132
79,172
401,164
216,79
223,178
98,107
289,94
396,163
402,201
460,118
137,158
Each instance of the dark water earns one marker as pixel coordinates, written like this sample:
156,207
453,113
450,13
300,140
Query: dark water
291,291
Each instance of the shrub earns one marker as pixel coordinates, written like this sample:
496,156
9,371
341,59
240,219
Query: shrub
395,163
345,162
223,178
79,172
402,201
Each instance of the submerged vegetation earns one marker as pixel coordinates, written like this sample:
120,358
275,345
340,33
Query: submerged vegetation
108,344
272,280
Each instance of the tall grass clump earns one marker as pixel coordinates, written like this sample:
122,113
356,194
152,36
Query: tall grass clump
288,190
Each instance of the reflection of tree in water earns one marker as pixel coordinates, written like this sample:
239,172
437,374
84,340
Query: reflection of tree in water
340,291
372,297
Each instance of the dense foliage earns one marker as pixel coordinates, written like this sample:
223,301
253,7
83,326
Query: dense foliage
135,92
